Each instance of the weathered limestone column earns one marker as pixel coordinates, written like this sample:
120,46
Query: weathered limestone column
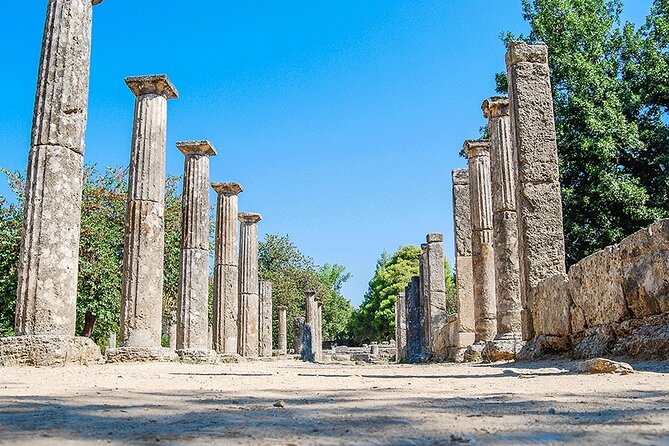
425,319
436,297
142,289
248,284
483,259
400,328
463,261
539,201
283,330
226,270
193,303
319,330
414,315
46,296
309,332
298,339
265,317
505,234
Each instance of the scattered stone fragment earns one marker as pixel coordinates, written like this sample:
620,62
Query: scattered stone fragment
280,404
603,365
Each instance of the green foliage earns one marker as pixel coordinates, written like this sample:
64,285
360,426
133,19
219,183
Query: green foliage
10,244
375,319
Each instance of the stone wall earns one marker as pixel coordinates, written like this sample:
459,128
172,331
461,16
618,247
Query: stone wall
613,302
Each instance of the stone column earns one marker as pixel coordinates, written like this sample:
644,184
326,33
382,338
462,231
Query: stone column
425,319
46,295
265,317
283,334
463,260
400,328
436,297
248,284
226,272
415,351
193,303
539,201
141,304
505,222
319,331
298,339
483,259
309,338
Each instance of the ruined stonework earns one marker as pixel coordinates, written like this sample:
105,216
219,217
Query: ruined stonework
414,313
463,331
435,301
193,303
298,338
319,331
249,305
265,319
226,271
283,333
424,300
141,304
483,259
539,203
400,328
309,337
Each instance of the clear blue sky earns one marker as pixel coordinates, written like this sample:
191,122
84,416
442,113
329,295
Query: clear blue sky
341,119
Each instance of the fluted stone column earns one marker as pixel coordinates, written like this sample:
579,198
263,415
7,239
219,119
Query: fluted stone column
505,233
539,201
463,261
400,328
414,315
283,330
265,317
193,303
309,340
226,270
483,259
248,285
46,296
141,305
424,300
436,297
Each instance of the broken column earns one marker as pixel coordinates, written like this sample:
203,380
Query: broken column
436,297
309,331
483,259
46,293
298,338
283,334
226,272
539,201
424,300
248,285
319,331
463,264
415,352
265,319
400,328
141,304
505,233
193,303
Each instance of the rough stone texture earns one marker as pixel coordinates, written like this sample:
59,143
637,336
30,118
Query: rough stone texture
140,354
436,297
483,257
462,224
141,304
197,356
502,349
48,351
298,338
319,331
400,328
540,232
309,333
415,352
283,330
265,319
603,365
48,260
425,334
226,271
193,303
249,305
551,310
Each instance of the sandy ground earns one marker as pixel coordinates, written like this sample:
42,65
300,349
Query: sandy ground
508,404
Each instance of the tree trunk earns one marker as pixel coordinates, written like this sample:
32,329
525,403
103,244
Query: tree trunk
89,324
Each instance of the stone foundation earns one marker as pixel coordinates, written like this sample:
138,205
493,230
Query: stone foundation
49,351
197,356
140,354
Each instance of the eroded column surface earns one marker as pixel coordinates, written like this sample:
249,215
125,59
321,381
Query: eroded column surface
436,292
414,315
298,339
400,328
283,330
505,222
319,331
193,303
309,331
483,257
265,317
46,295
425,319
249,305
226,269
141,304
463,258
539,202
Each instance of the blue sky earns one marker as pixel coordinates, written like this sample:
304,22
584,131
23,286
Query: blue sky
341,119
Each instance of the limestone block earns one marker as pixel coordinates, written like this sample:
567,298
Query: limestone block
462,212
140,354
551,309
48,351
507,272
193,305
595,285
465,294
226,308
265,319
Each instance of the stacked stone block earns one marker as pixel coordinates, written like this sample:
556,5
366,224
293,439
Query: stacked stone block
400,328
248,285
265,319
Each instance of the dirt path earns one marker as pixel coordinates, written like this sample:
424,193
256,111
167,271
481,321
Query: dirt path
332,404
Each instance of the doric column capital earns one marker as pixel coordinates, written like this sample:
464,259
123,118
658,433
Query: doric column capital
434,237
152,84
477,147
495,106
228,189
519,51
203,147
282,308
249,217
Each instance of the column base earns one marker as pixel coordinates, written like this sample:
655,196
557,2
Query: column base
48,351
230,358
197,356
140,354
473,353
505,348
